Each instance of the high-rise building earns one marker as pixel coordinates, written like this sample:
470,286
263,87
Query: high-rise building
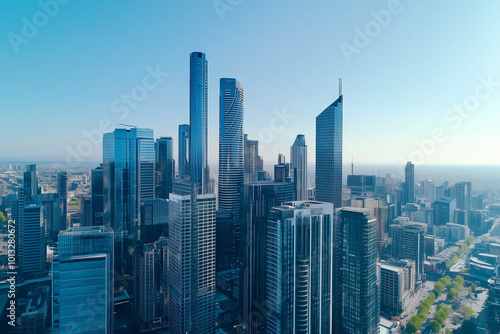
257,199
192,263
230,144
128,178
281,170
30,185
493,307
299,267
183,153
356,295
85,211
62,202
444,210
298,167
154,219
198,117
408,242
252,160
164,167
97,195
397,284
152,298
32,233
82,281
463,194
361,184
409,185
329,153
48,203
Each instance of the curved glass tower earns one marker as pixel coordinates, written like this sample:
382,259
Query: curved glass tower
230,144
198,116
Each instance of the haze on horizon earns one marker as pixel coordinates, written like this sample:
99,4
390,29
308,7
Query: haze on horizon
419,84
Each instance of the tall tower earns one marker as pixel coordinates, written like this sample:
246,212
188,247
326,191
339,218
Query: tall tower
356,303
97,196
252,160
183,162
329,153
164,165
198,119
192,263
299,266
298,167
33,241
230,144
409,186
62,202
30,185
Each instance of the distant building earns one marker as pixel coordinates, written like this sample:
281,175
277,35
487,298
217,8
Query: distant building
452,232
444,210
298,167
356,294
252,160
281,170
164,167
97,196
299,277
361,184
408,243
183,151
409,185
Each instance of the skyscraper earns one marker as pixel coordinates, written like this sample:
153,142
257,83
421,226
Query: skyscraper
298,167
444,210
129,178
192,263
299,261
252,160
329,153
281,169
82,281
409,186
184,146
198,117
30,185
257,199
230,144
97,196
408,243
33,241
356,295
164,167
62,202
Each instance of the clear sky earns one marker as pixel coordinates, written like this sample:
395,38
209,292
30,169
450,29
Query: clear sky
65,73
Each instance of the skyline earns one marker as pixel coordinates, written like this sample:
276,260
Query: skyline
66,78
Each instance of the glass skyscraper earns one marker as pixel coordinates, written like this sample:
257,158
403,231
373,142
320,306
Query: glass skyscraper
164,165
299,268
329,153
32,235
356,301
198,120
230,144
192,263
409,186
82,281
183,153
97,195
298,167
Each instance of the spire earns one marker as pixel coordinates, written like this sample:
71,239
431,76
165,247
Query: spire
352,166
340,86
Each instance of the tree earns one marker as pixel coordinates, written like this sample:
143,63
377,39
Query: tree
435,326
438,288
473,287
467,312
452,294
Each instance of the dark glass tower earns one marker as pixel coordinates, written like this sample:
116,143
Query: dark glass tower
298,167
252,160
30,185
97,196
184,152
329,153
356,300
164,165
409,186
198,117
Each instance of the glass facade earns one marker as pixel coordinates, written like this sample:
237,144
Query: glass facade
356,301
298,167
164,165
183,162
299,261
198,117
329,154
409,186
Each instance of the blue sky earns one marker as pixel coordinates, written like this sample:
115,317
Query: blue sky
400,86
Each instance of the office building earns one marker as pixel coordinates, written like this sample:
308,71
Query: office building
198,117
298,167
361,184
183,152
30,185
409,185
299,261
257,199
252,161
61,221
154,219
356,295
329,153
444,210
192,263
97,195
408,243
463,194
164,167
85,211
82,281
32,234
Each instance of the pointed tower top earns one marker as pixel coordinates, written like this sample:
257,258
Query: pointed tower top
340,86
